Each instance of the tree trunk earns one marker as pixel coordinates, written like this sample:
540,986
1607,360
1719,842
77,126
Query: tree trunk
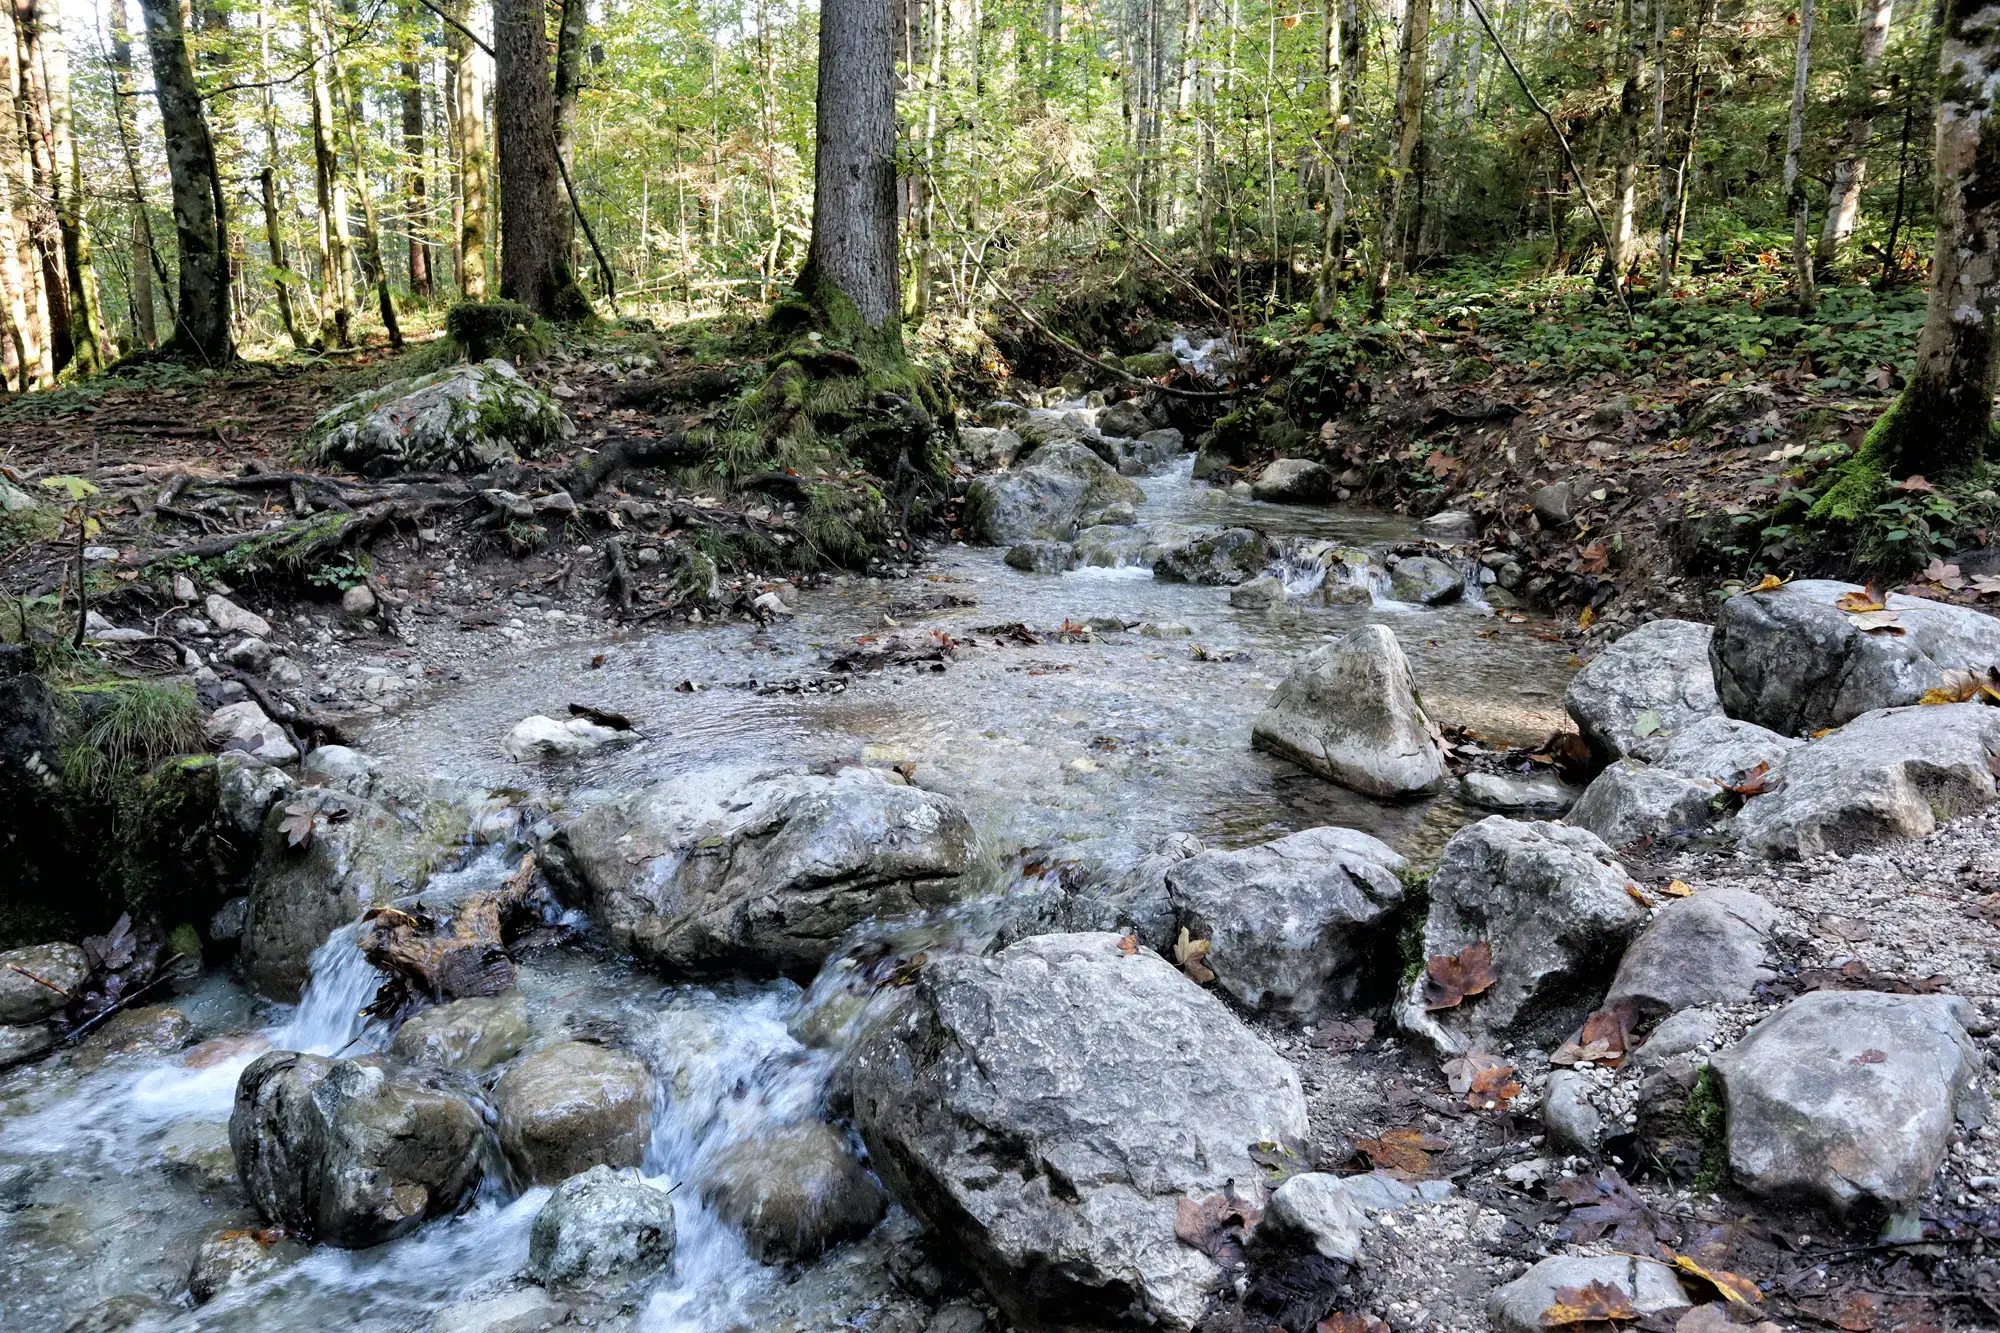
145,325
1941,422
371,227
26,304
534,236
1625,190
89,346
1795,183
45,156
201,318
1843,205
475,179
336,294
274,235
850,277
1404,136
569,83
416,209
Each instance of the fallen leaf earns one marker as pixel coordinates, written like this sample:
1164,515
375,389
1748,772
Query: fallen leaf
1945,576
1914,485
1583,621
1735,1288
1403,1152
1460,1071
1448,981
1768,583
1855,1312
1217,1225
1350,1323
1986,585
1646,723
1755,783
1877,622
1678,889
301,821
1593,559
1342,1035
1638,895
1189,953
1128,945
1595,1303
1871,1056
1604,1203
1868,599
1492,1089
1603,1039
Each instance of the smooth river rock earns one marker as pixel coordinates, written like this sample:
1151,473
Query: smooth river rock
1425,580
1349,712
794,1193
1631,800
1656,679
1222,557
1044,1110
472,1035
1648,1285
1301,481
1712,948
602,1230
571,1106
23,998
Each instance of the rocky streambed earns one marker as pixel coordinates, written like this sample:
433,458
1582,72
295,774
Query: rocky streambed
1107,925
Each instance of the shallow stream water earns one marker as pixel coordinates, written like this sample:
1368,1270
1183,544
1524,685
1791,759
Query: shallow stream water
1049,745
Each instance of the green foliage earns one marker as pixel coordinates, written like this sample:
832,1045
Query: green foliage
122,724
340,573
1416,909
1708,1118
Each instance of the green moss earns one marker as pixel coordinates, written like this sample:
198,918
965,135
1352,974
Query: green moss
185,941
1862,481
1708,1120
1416,909
478,328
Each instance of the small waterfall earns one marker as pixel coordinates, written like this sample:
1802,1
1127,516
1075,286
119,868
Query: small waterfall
328,1020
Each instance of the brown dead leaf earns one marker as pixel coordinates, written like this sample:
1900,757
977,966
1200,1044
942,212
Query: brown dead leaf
1350,1323
1871,1056
1914,485
1603,1039
1755,783
1492,1089
1943,575
1868,599
1596,1303
1449,980
1768,583
1604,1204
1878,622
1128,945
1190,953
1855,1312
1638,895
1585,620
1217,1225
1734,1287
1403,1152
301,821
1594,558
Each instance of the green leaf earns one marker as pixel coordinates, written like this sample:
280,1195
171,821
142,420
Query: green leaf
1647,723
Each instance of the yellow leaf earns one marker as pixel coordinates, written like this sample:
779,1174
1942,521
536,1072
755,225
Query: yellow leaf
1583,621
1769,582
1735,1288
1679,889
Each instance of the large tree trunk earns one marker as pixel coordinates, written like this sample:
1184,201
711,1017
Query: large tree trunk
570,34
201,318
91,349
1408,130
1941,422
850,276
416,210
45,158
1843,205
145,328
475,169
1625,190
534,219
274,235
27,306
336,290
371,227
1795,183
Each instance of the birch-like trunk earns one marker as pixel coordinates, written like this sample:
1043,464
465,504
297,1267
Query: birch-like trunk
1631,102
201,317
475,169
1843,205
1404,136
336,289
1795,184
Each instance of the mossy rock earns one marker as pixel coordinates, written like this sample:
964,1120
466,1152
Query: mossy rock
467,418
481,328
1151,365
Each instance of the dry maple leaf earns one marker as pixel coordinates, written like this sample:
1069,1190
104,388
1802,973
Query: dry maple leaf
1868,599
1449,980
1189,953
1768,583
1678,889
1404,1152
1755,783
1735,1288
1217,1225
1596,1303
1604,1203
1492,1089
1914,485
1603,1039
1593,559
1945,576
1877,622
299,824
1128,945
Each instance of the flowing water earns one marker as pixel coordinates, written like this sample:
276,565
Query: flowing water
111,1169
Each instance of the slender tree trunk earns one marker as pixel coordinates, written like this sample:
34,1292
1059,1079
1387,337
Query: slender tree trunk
201,317
1795,183
91,348
1404,137
45,157
850,277
267,180
27,304
336,303
570,36
534,237
475,179
1843,205
372,266
1674,186
1334,136
416,207
1891,266
145,325
1631,101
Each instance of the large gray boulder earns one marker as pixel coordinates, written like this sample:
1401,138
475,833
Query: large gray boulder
1123,420
1293,924
1349,712
472,1035
466,418
1425,580
1550,902
1046,496
794,1193
1647,1285
1655,680
1725,750
988,447
736,870
602,1230
1631,800
1045,1109
1713,948
1847,1098
1218,556
352,1152
1791,660
1888,775
33,981
1299,481
571,1106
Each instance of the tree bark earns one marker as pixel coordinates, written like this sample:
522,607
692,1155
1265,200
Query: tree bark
90,345
1404,136
570,36
1631,99
201,317
371,226
1795,184
475,168
267,179
27,306
850,277
534,250
45,159
1843,205
336,293
145,325
416,208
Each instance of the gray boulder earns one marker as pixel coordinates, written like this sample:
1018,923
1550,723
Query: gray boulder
352,1152
1259,593
1516,793
1349,712
1292,924
602,1230
1648,1285
1450,525
1551,903
526,1310
988,448
55,969
1042,557
1046,1108
794,1193
1656,679
1299,481
471,1035
1893,774
736,870
1024,504
1225,556
1712,948
1572,1119
247,787
1724,750
1632,800
1425,580
235,1257
1114,546
571,1106
21,1042
1316,1212
1792,661
1123,420
466,418
1847,1098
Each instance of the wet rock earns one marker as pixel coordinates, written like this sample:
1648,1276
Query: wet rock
728,870
1117,514
1649,1286
1064,1205
1724,750
1885,776
882,1283
1258,593
1124,420
1045,497
234,1257
1113,547
120,1313
602,1230
988,448
1632,800
244,726
1792,661
794,1193
154,1029
1293,924
1316,1212
958,1317
1655,679
1042,557
466,418
472,1035
339,766
1298,481
571,1106
1847,1098
351,1152
23,998
528,1310
540,737
21,1042
1115,883
1551,903
246,788
1573,1122
1425,580
198,1152
1517,793
229,618
1450,525
1349,712
1164,629
1226,556
1713,948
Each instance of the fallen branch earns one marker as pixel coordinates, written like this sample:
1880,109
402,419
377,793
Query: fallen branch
323,728
585,479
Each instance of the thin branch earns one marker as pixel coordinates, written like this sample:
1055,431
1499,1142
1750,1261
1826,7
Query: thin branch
589,233
472,36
